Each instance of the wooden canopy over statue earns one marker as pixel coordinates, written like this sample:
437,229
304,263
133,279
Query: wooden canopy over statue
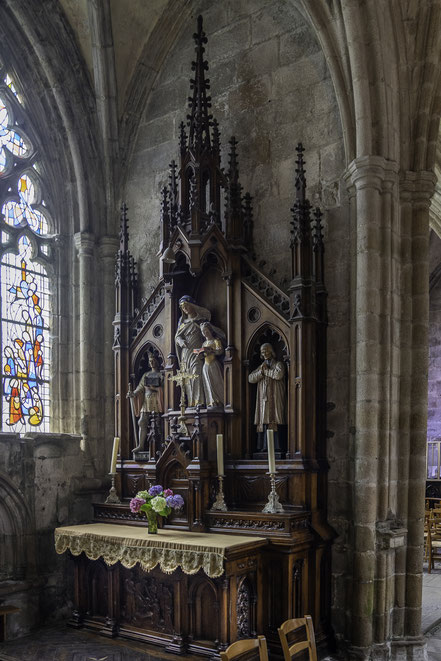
219,349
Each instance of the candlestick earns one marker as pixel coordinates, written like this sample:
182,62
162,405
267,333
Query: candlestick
113,496
273,505
219,504
220,454
114,455
271,457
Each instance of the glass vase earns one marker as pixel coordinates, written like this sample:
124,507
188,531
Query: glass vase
152,521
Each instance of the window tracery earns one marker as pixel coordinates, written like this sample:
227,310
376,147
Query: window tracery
25,274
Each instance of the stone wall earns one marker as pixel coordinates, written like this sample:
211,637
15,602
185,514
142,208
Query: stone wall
42,486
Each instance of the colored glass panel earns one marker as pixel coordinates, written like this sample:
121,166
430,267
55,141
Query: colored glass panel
20,214
24,286
10,84
25,309
10,139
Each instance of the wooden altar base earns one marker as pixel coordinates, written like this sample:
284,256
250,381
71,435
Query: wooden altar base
181,611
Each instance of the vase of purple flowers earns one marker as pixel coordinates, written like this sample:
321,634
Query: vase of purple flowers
156,502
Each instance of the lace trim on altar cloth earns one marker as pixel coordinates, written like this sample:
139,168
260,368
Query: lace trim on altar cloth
168,559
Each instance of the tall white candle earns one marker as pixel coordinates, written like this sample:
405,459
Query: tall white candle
114,454
220,454
271,458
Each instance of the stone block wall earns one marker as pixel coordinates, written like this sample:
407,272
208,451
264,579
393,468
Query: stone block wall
42,486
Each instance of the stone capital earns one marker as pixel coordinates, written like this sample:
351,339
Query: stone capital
417,188
374,172
84,243
108,247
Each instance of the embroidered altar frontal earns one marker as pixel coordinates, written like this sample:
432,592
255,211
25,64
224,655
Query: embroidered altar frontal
188,592
169,549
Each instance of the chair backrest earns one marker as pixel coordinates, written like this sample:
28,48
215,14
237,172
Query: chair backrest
245,646
289,651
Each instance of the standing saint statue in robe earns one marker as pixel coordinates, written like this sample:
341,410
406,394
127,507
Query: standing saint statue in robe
148,398
212,371
189,340
271,396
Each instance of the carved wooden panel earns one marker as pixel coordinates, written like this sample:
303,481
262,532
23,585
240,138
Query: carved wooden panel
297,580
97,588
255,488
204,610
147,602
132,483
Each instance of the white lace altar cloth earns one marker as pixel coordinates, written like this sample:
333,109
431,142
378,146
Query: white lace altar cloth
169,549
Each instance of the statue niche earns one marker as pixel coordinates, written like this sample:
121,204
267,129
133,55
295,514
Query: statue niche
267,383
147,400
199,344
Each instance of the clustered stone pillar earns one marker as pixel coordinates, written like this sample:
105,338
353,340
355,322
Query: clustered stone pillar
85,244
416,191
388,406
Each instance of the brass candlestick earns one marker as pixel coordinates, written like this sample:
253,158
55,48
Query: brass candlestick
113,496
219,504
273,505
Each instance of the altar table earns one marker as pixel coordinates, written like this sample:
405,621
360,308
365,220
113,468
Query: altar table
190,592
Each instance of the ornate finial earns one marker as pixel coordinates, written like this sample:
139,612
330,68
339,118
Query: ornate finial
216,137
123,232
248,219
300,174
164,204
173,191
192,196
182,138
199,118
317,235
233,169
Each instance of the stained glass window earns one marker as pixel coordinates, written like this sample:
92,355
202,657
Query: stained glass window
25,306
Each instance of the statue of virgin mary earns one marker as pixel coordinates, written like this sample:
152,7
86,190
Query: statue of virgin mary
189,340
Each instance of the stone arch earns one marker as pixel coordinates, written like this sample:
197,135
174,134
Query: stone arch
17,553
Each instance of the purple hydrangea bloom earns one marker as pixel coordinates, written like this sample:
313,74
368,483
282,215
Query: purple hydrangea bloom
175,502
168,492
155,490
135,504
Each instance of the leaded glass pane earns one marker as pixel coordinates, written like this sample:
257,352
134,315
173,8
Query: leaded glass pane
25,310
10,139
24,285
20,214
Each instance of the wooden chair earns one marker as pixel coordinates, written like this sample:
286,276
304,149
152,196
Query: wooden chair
433,540
287,628
245,647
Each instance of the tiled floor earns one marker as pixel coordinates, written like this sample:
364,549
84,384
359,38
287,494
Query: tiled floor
65,644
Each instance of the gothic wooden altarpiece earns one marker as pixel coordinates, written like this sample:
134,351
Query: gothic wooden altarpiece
208,274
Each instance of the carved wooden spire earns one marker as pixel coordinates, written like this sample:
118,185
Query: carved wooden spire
124,230
194,192
199,118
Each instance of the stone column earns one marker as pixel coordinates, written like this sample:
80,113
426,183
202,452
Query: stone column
372,183
107,248
388,405
89,308
416,191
